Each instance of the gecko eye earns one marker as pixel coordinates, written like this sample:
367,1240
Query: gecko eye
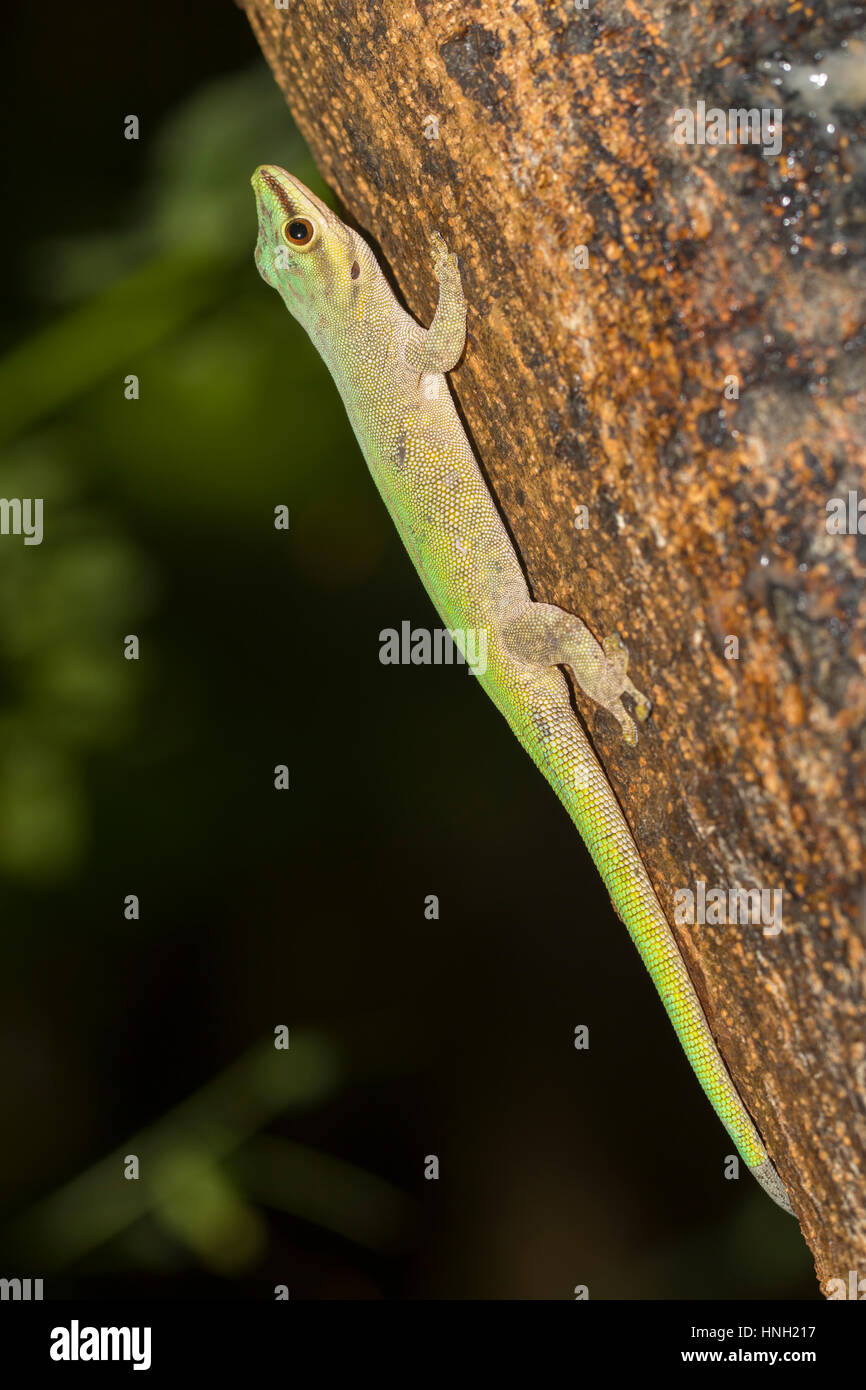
298,232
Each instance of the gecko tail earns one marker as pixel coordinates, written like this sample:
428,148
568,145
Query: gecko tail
772,1184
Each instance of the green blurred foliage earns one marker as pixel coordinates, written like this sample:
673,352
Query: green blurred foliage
171,294
64,607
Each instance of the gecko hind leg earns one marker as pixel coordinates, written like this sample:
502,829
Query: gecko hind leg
548,636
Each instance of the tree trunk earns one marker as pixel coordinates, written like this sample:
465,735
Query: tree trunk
693,379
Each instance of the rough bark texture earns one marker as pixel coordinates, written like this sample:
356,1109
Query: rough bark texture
524,132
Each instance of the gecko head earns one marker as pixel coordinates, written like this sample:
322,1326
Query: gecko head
304,251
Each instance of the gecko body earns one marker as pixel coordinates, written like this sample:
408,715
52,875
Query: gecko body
390,373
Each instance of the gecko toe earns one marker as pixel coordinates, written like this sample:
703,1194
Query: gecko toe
642,706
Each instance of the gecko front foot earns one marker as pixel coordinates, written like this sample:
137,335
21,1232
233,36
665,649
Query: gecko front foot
445,266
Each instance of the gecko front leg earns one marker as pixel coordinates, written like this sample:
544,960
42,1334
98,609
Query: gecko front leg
438,348
546,635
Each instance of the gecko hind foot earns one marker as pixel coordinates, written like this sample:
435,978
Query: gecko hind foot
612,683
616,654
549,636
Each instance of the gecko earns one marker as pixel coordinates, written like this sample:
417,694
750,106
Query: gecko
391,375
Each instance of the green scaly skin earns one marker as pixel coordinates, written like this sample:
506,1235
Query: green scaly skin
391,375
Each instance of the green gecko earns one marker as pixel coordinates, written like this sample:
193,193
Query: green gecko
390,373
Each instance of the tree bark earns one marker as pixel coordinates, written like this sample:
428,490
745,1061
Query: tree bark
695,381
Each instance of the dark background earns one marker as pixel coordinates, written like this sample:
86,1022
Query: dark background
409,1037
